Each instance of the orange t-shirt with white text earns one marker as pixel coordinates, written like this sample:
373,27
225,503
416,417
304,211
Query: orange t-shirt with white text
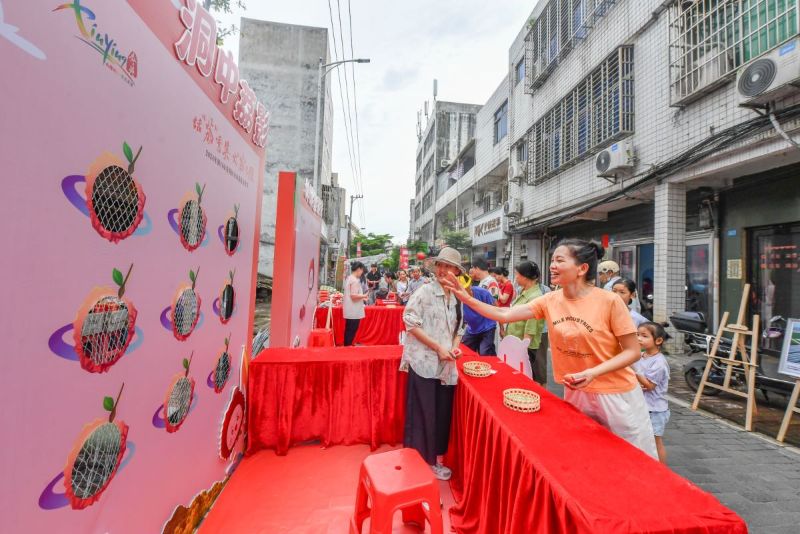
583,333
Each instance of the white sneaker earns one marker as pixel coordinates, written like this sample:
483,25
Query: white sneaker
441,472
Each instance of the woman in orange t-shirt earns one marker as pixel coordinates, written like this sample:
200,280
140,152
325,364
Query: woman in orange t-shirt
593,341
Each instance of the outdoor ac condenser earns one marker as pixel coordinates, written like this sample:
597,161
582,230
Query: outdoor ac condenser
771,76
513,207
615,159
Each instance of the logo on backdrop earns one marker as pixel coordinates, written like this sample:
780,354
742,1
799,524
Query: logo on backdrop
124,63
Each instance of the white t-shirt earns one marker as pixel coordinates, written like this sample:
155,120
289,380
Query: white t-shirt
351,309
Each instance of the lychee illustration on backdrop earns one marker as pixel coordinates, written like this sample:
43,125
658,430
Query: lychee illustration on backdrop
96,456
104,325
192,220
179,398
223,368
231,240
226,299
115,200
186,308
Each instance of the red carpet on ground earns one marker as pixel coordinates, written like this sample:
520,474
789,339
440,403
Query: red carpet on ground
309,491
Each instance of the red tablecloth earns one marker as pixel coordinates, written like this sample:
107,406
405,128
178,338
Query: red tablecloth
340,395
558,471
380,326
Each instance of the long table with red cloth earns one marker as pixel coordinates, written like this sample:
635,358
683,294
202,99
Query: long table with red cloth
381,325
340,396
557,470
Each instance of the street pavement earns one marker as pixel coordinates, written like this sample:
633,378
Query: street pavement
748,472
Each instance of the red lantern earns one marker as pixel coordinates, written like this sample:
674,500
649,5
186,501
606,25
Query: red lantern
421,256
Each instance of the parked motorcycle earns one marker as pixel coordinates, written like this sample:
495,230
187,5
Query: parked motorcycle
698,339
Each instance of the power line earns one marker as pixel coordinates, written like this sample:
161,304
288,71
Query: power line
341,97
347,94
355,99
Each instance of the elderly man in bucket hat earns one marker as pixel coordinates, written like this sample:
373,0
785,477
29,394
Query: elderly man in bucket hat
433,319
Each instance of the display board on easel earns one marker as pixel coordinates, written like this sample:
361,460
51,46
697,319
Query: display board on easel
790,365
738,358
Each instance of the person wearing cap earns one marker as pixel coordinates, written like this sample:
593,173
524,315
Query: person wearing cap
433,319
608,273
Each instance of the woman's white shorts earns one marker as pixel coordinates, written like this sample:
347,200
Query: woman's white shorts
625,414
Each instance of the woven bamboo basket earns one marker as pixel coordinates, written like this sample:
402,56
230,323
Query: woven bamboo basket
521,400
477,369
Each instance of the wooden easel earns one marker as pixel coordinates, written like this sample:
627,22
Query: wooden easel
738,348
790,409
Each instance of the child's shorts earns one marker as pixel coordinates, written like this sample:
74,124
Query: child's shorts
659,420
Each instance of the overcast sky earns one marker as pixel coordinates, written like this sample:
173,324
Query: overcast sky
462,43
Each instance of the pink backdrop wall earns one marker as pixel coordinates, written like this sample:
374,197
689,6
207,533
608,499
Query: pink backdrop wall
63,105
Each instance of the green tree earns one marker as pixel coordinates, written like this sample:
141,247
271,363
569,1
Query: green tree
371,244
226,7
459,240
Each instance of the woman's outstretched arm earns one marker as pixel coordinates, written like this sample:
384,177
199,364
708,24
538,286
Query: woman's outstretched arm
504,315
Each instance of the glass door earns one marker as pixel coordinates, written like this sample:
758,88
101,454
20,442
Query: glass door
775,275
699,270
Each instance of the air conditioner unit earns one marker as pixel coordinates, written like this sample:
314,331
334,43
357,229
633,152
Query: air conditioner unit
513,208
515,173
445,163
615,159
770,77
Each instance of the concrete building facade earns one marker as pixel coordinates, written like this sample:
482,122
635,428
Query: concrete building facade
629,123
281,62
450,128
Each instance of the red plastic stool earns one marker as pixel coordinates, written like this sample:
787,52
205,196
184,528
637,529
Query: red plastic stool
321,337
396,480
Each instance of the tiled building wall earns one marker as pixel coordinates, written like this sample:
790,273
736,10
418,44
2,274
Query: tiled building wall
661,132
670,254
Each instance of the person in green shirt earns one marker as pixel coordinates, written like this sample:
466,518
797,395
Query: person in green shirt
527,275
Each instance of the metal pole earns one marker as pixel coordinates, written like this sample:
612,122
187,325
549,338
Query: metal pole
350,221
316,128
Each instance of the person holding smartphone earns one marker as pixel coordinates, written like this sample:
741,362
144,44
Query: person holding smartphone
433,319
592,339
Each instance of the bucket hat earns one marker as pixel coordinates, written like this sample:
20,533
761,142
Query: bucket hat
447,255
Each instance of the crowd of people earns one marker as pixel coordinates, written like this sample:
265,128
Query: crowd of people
607,355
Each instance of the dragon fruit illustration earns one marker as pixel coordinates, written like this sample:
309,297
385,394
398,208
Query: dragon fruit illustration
96,456
232,232
186,309
223,368
104,326
179,398
115,200
226,299
192,220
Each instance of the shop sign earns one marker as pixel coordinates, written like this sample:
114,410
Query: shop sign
488,228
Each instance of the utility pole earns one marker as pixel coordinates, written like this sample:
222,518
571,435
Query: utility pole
353,198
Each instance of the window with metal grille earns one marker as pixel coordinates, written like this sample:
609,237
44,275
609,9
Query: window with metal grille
429,138
428,171
561,24
501,122
522,151
520,71
711,39
597,111
427,200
